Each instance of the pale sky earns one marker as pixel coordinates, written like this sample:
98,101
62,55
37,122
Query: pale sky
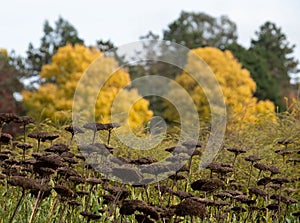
123,22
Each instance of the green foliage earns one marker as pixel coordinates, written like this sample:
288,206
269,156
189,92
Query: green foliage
53,38
272,44
195,30
267,86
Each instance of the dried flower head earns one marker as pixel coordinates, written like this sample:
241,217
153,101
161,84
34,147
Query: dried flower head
94,180
3,156
143,160
140,218
7,118
238,209
285,141
280,180
274,207
274,169
25,183
234,192
120,191
130,206
25,120
74,129
24,146
74,203
5,138
190,207
223,195
261,166
64,191
207,185
90,215
58,148
252,158
236,151
43,136
257,191
155,169
284,152
182,194
264,181
191,144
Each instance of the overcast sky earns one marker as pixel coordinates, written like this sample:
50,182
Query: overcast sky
123,22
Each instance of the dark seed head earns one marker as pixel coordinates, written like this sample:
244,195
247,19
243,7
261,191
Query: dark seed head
238,209
264,181
43,136
190,207
121,192
7,118
90,215
223,195
285,141
130,206
58,148
25,120
257,191
74,129
297,214
25,183
280,180
24,146
140,218
77,179
94,126
64,191
284,152
155,169
274,207
74,203
3,157
234,192
143,161
261,166
207,185
5,138
252,158
110,126
274,169
294,160
94,181
236,151
182,194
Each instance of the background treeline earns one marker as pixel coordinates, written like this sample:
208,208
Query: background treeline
269,58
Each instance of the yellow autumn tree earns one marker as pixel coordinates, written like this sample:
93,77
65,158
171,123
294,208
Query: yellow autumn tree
236,84
55,98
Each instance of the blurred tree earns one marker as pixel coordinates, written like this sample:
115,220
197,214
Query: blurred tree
195,30
267,86
10,85
54,98
54,37
272,44
104,46
237,86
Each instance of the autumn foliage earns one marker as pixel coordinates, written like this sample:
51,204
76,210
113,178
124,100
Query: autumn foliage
54,98
236,84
